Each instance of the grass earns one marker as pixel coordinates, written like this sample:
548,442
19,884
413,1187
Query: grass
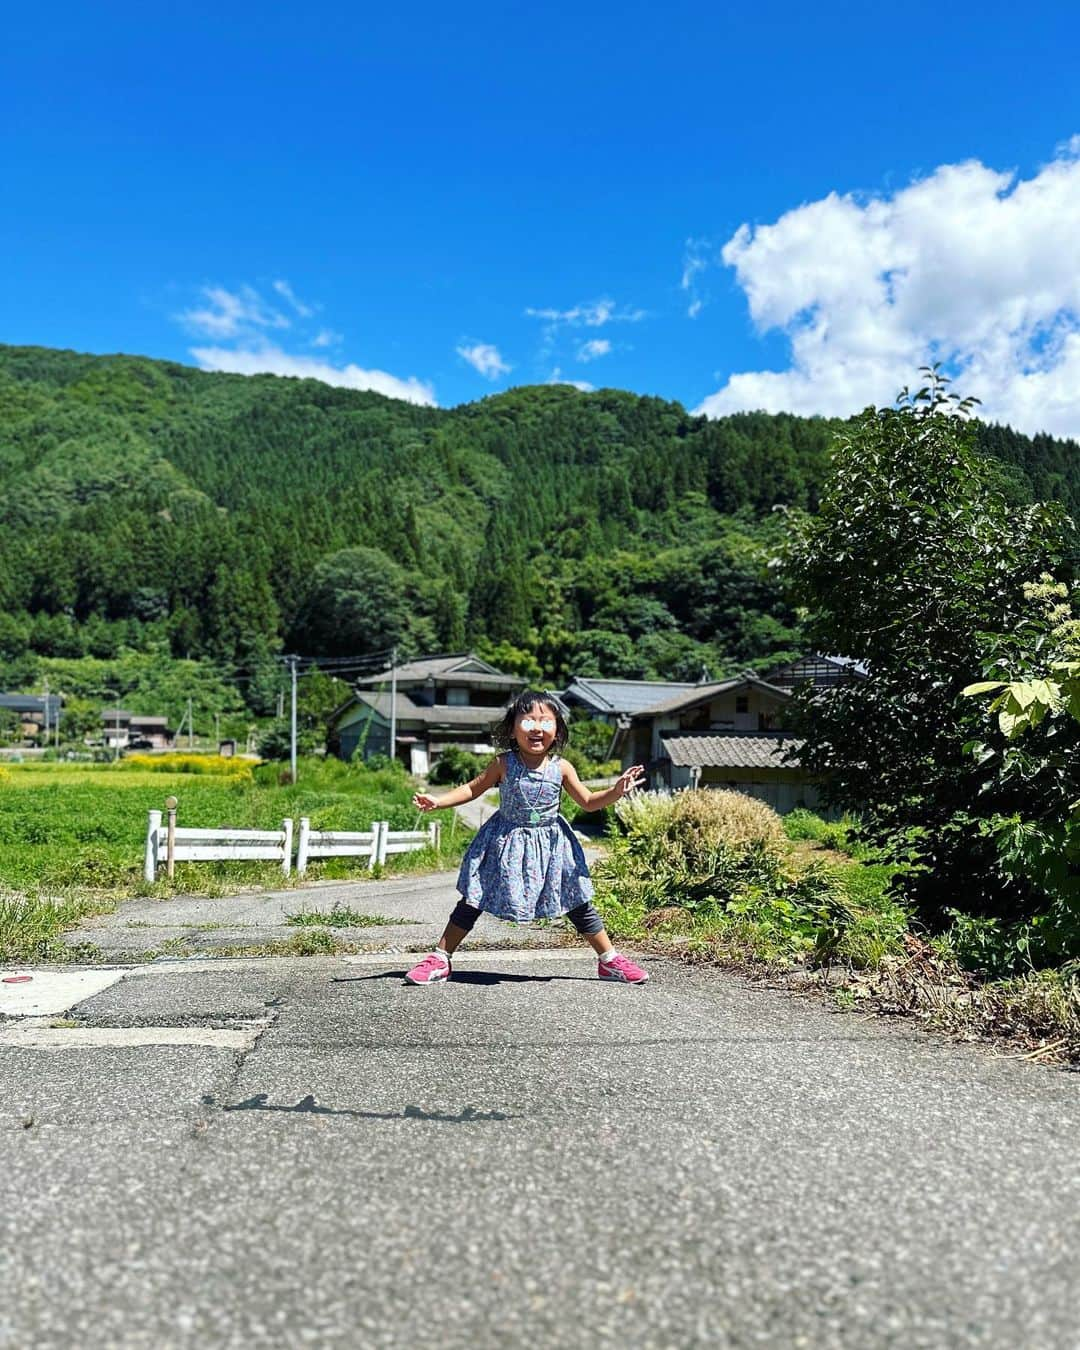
821,913
72,836
340,917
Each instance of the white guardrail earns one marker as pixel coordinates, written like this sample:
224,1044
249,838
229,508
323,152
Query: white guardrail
239,845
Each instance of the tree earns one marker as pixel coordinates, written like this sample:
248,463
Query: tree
913,554
357,603
1029,757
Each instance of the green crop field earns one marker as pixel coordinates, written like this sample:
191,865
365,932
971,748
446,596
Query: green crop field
72,836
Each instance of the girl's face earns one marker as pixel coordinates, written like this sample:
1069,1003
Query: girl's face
534,730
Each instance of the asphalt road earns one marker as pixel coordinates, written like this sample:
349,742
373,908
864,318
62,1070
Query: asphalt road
523,1156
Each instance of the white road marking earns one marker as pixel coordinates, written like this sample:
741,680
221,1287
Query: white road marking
96,1038
52,991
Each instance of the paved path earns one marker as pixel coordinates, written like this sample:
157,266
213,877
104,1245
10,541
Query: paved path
416,907
290,1153
413,910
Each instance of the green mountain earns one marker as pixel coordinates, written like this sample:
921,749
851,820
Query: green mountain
147,505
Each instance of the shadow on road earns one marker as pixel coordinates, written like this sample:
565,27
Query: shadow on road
468,977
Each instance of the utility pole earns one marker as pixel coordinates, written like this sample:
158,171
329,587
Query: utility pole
46,702
190,727
292,720
217,730
393,703
59,700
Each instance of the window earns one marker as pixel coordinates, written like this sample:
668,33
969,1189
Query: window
457,698
742,703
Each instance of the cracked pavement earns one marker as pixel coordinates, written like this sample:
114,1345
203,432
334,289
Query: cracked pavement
521,1156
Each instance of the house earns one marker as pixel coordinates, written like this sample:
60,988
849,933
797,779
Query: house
123,730
35,712
729,734
822,671
438,701
733,734
609,700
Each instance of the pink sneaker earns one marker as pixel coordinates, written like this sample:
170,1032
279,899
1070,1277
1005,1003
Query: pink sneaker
434,968
621,968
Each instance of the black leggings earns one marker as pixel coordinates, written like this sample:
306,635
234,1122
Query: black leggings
584,918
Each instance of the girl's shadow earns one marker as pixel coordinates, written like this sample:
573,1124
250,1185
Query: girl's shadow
466,977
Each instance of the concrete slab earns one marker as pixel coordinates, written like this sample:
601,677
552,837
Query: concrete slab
50,992
96,1038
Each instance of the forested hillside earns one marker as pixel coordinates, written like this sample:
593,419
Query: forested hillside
153,507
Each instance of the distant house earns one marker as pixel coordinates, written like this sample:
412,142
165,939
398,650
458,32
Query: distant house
34,712
609,700
729,734
123,730
441,701
822,671
733,734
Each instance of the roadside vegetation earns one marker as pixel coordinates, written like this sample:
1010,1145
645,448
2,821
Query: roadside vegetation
72,836
717,878
951,889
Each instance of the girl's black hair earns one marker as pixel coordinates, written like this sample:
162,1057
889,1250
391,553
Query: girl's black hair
502,733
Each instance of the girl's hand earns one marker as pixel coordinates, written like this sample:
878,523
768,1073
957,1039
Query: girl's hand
630,779
423,802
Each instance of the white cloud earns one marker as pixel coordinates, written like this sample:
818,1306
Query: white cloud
229,314
272,360
556,377
593,314
969,265
485,358
696,258
326,337
589,351
287,293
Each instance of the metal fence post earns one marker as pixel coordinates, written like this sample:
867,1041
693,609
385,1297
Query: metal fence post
150,859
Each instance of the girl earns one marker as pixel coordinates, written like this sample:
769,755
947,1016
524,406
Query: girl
525,862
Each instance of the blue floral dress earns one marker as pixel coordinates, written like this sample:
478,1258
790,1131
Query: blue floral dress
525,862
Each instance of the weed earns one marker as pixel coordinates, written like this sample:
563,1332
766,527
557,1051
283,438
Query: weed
340,917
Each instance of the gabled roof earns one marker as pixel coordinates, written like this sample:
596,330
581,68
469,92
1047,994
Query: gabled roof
623,696
29,703
703,693
471,668
846,664
730,749
439,715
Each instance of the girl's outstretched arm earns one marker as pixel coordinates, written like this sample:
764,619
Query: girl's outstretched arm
468,792
626,782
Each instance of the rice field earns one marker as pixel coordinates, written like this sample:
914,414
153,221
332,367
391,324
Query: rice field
72,836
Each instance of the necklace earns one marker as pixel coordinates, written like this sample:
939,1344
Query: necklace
532,802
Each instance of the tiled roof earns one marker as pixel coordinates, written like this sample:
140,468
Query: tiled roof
702,693
625,696
441,715
29,703
731,750
443,664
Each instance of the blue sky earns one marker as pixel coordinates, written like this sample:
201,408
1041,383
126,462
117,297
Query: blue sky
776,205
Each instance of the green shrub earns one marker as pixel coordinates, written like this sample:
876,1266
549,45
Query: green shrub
456,766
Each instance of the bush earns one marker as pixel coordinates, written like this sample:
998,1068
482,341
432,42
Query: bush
704,819
721,859
456,766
